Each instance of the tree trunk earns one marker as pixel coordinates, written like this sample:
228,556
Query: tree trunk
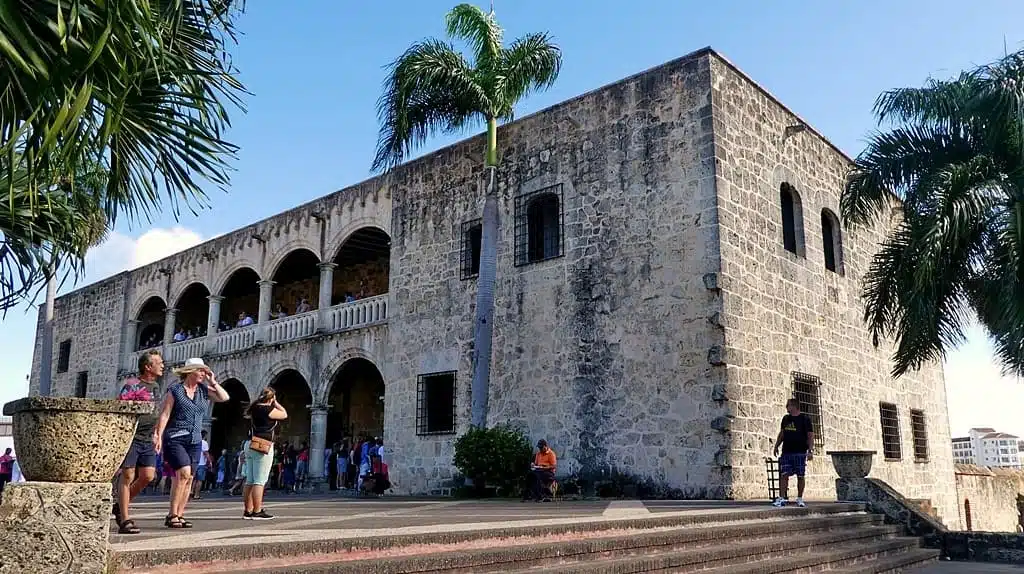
483,325
46,348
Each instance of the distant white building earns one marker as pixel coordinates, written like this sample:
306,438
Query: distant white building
6,433
986,447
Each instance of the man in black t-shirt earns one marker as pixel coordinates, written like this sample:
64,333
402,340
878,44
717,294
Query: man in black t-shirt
796,438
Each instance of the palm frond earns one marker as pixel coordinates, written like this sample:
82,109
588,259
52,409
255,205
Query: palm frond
429,88
480,30
530,63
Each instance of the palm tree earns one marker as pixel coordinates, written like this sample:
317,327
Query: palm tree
433,88
952,165
140,88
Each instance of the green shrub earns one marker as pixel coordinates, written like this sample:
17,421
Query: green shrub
497,457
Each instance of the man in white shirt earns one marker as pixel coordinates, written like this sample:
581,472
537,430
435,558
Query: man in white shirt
244,320
204,462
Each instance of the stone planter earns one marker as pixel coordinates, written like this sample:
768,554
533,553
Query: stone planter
852,463
64,439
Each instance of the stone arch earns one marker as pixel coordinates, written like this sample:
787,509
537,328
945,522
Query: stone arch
295,395
355,401
283,365
193,308
323,384
792,220
362,265
180,286
225,276
150,318
229,426
141,300
832,241
296,277
282,253
350,227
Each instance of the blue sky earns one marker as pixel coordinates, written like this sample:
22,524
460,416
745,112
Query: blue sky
315,75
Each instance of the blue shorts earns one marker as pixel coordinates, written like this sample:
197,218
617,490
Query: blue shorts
792,463
140,454
180,452
200,472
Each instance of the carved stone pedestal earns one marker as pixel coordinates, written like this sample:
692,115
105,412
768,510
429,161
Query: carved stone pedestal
54,528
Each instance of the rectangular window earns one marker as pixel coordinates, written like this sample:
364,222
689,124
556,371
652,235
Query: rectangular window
890,431
919,428
805,390
435,404
82,384
64,356
472,234
539,225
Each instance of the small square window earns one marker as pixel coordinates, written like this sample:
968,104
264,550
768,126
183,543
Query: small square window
890,417
539,225
919,428
82,385
64,356
435,404
472,237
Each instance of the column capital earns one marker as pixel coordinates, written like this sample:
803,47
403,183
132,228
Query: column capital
266,283
327,265
215,298
170,311
319,409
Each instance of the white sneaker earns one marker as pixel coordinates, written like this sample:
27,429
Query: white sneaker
800,503
780,502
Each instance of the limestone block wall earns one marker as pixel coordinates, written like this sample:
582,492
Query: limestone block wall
90,319
785,312
992,495
603,351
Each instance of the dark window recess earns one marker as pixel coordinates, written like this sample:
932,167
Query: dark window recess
82,384
472,234
831,241
792,233
890,416
806,390
919,428
435,404
64,356
539,225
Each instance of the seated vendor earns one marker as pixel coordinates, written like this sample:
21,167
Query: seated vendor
542,471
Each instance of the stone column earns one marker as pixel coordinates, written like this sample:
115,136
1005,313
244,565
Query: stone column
169,317
46,349
213,322
317,444
266,297
326,292
131,334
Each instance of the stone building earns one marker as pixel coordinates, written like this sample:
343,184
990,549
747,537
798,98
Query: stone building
671,270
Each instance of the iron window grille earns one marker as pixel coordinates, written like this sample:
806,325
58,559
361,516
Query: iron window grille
806,390
435,404
539,225
890,417
472,235
64,356
919,428
82,385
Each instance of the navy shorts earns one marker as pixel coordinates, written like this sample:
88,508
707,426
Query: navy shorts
140,454
180,452
792,463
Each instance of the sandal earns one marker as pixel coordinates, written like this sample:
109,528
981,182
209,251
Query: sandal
184,523
128,527
173,522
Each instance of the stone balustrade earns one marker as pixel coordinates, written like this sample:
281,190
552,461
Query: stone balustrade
290,328
182,350
358,313
236,339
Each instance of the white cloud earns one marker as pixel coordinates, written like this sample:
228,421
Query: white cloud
977,392
120,252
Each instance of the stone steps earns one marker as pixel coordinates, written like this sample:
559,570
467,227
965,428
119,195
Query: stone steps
738,543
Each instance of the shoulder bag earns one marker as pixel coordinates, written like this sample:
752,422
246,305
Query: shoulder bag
261,445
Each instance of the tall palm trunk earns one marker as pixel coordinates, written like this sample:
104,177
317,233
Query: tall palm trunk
483,325
46,348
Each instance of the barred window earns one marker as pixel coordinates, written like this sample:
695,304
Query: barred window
806,390
472,235
82,385
919,428
64,356
539,225
890,416
435,404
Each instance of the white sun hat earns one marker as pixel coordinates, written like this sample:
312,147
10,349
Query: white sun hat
191,366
